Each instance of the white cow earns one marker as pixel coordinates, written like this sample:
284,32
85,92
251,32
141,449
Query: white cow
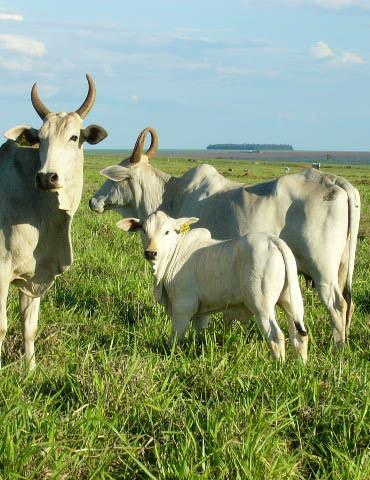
40,192
317,215
196,275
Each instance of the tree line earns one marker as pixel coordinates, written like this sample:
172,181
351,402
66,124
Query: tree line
253,147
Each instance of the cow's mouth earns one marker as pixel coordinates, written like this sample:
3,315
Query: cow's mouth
96,206
51,190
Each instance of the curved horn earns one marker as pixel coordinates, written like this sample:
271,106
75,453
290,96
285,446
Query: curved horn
139,145
152,150
89,100
40,108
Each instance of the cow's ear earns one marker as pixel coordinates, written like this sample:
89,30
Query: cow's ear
115,173
93,134
130,225
29,134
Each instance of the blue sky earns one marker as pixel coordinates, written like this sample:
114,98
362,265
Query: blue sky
204,71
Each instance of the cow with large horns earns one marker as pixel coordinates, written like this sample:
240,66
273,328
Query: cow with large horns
41,190
316,214
112,195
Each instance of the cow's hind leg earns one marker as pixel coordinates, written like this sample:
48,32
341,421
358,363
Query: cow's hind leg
271,331
347,293
4,288
297,331
336,305
29,308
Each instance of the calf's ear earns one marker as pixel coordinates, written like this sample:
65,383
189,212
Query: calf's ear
31,135
93,134
130,225
183,224
115,173
180,222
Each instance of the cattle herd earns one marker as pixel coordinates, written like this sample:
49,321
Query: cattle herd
242,257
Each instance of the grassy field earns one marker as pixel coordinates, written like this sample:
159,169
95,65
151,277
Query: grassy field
109,401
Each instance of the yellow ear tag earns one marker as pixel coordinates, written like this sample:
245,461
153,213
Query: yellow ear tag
185,228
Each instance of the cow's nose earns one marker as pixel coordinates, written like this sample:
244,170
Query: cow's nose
150,255
47,181
96,205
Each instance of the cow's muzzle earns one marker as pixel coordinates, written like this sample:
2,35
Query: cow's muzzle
95,205
150,254
48,181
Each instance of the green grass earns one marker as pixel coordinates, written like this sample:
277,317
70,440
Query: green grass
108,400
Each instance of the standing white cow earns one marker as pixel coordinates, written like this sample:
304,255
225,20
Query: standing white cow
196,275
40,192
317,215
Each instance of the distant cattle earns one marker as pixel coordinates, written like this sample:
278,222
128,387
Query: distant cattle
196,275
40,192
316,214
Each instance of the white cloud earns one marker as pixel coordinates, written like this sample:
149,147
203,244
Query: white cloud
348,58
16,17
321,50
135,97
23,45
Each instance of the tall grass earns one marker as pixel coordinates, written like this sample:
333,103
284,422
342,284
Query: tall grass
109,400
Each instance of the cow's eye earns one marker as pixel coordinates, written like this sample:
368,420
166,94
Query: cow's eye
74,138
167,232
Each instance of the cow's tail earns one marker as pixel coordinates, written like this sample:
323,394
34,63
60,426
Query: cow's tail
295,294
348,257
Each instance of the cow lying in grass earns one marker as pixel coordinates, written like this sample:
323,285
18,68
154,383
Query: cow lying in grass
197,275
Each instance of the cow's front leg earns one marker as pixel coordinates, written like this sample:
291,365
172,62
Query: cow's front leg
29,308
181,316
4,288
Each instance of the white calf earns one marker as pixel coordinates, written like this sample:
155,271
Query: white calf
196,275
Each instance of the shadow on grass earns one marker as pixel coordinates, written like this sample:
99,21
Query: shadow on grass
363,301
67,299
127,311
195,343
62,392
160,347
132,313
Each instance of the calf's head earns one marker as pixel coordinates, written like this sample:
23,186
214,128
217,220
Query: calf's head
120,190
159,231
60,140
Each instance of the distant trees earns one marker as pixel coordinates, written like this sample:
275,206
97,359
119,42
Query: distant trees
252,147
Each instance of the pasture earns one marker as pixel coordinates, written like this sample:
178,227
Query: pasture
109,400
